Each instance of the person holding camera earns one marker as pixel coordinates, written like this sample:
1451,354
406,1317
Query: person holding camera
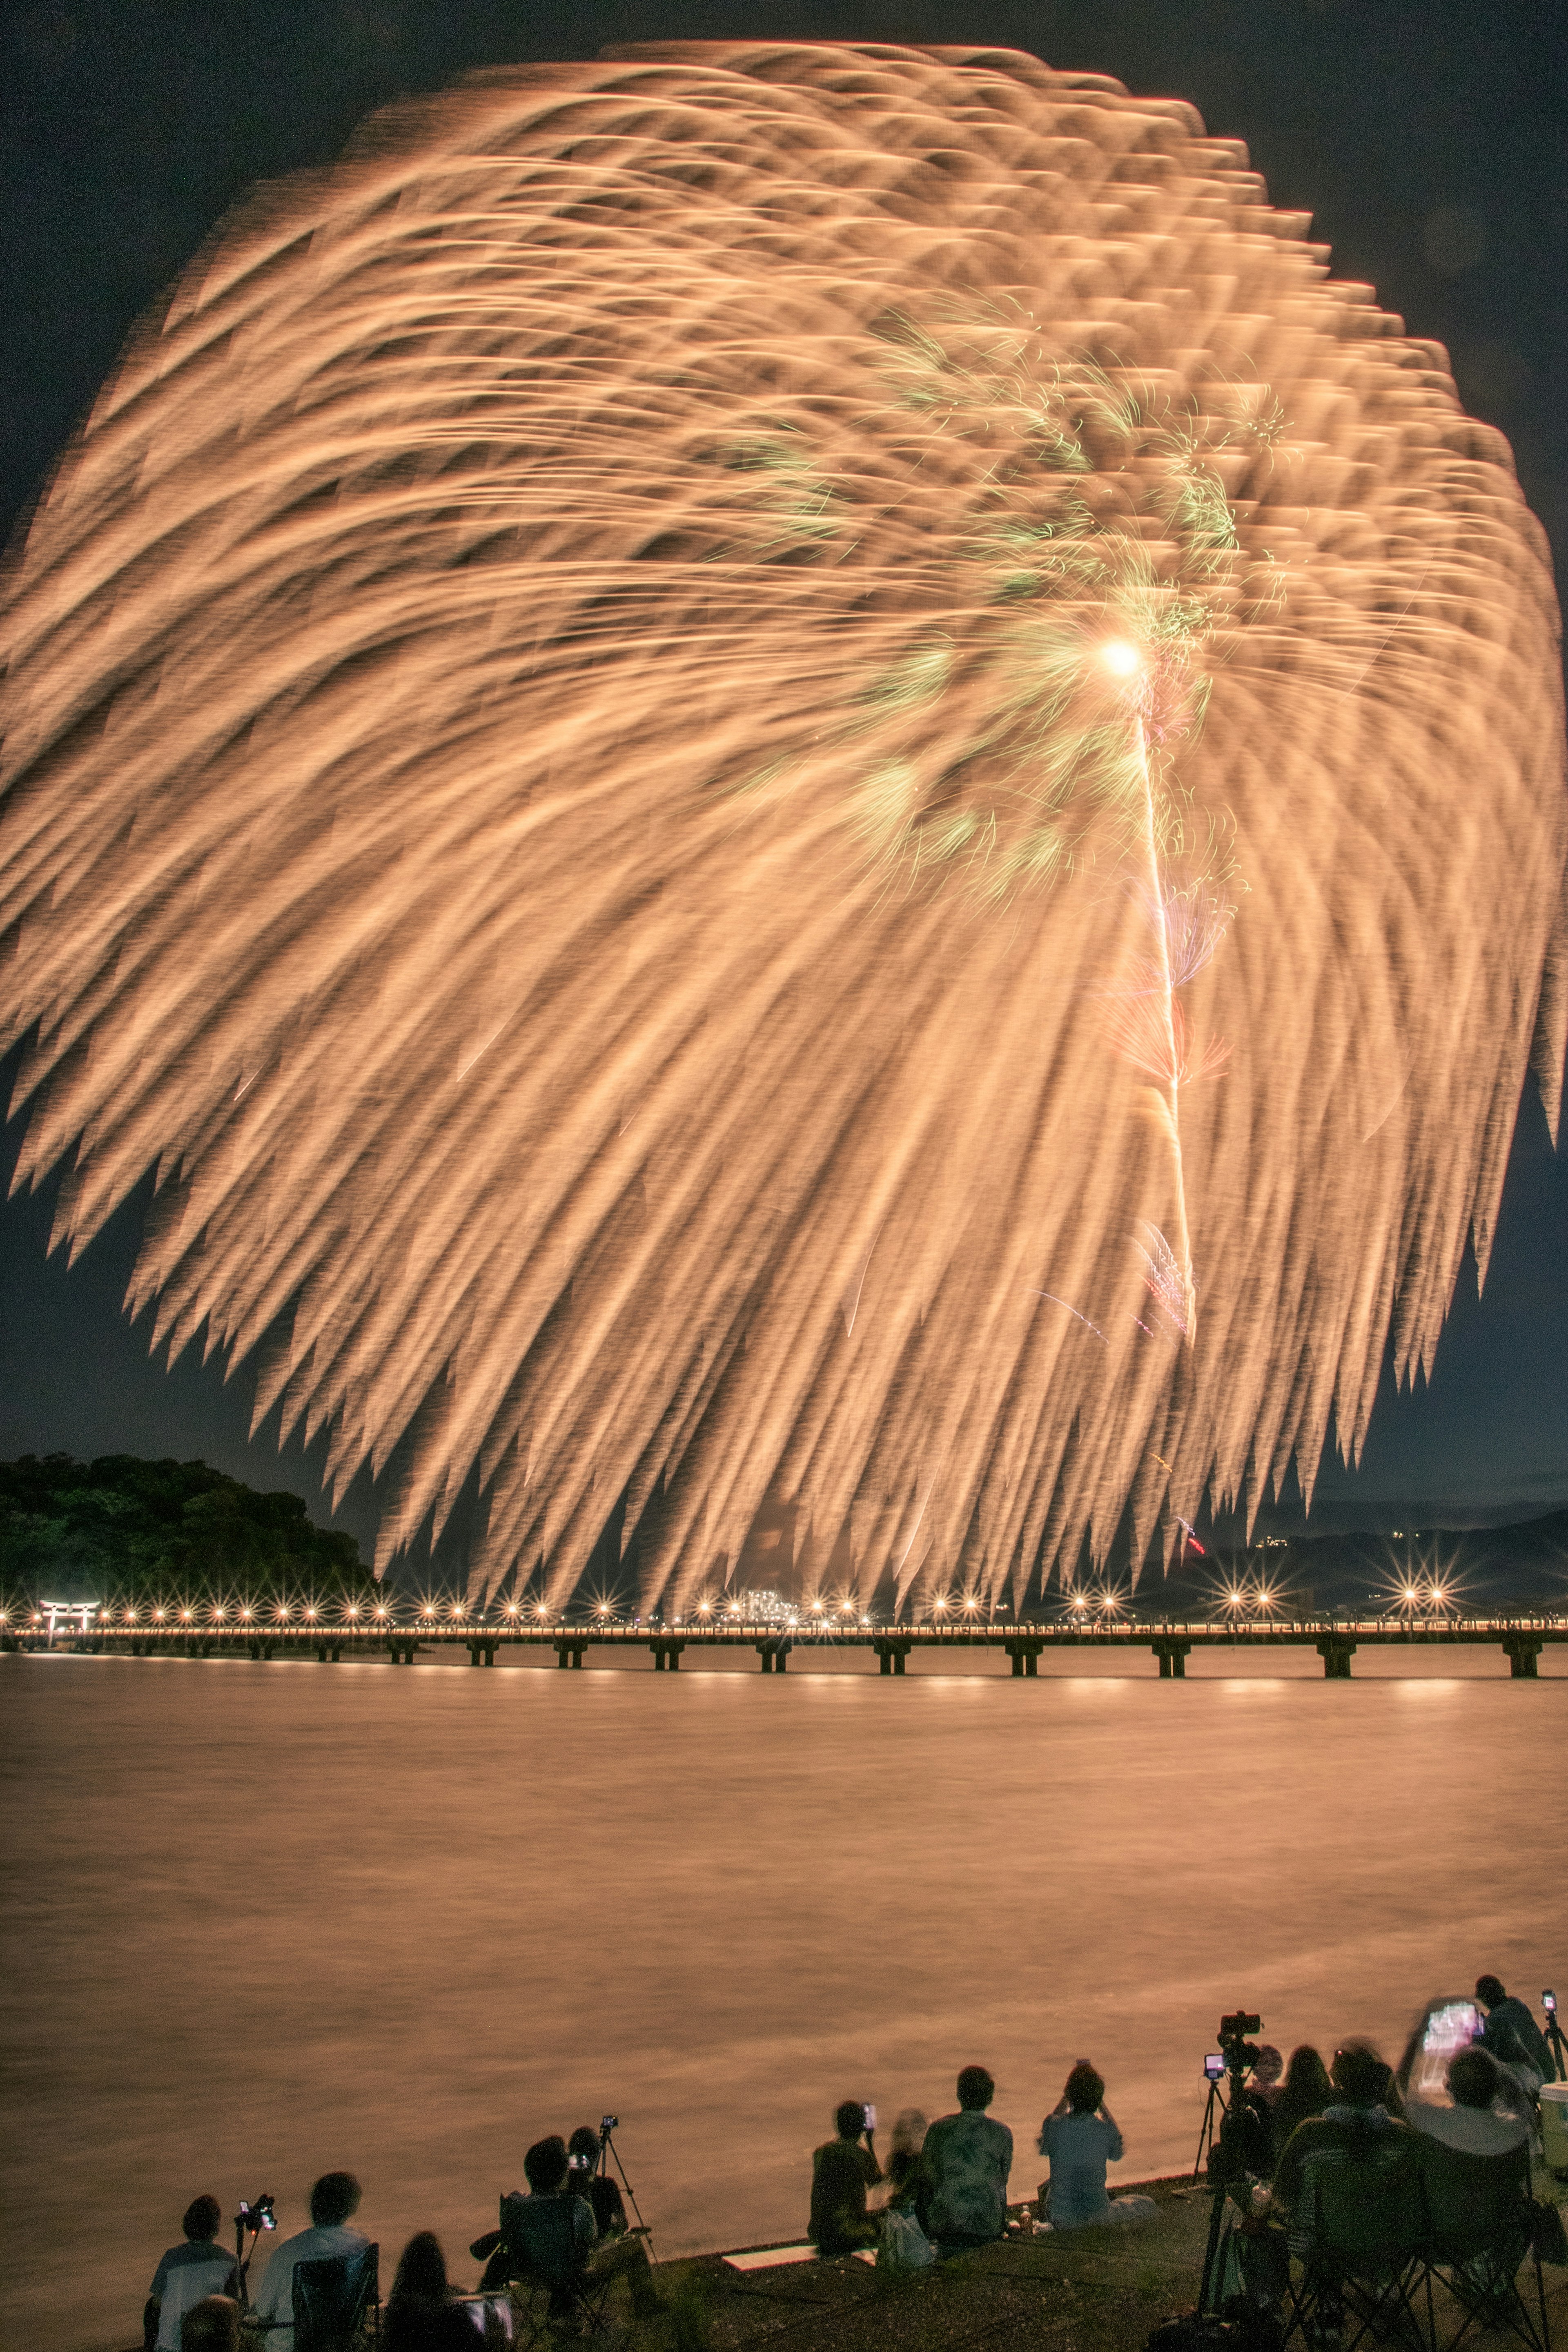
1511,2036
1080,2137
187,2274
841,2173
966,2162
602,2193
1485,2119
547,2170
334,2200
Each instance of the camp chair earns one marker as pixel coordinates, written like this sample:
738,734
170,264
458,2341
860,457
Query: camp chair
1481,2227
1359,2228
187,2285
545,2266
336,2301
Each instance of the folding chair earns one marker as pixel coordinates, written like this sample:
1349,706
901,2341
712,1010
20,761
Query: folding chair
544,2265
336,2301
1361,2230
1482,2229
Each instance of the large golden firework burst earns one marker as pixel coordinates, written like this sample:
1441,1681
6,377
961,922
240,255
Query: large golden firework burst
787,770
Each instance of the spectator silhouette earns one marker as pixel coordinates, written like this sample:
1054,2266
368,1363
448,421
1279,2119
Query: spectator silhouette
1305,2091
211,2326
841,2173
1482,2120
1511,2035
1080,2137
187,2274
421,2316
334,2200
602,2192
965,2163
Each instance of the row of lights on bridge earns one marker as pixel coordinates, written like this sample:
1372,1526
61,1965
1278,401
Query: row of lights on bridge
1259,1600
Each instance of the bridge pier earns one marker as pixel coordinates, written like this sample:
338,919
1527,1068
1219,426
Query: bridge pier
1521,1651
569,1653
329,1652
259,1647
1025,1656
775,1654
1336,1652
401,1650
891,1656
1173,1656
666,1656
481,1654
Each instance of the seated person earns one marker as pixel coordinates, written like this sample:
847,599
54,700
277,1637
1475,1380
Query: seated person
1356,2128
965,2165
1081,2137
1512,2037
841,2173
334,2200
211,2326
186,2275
602,2193
420,2315
903,2161
1266,2085
1482,2121
1305,2091
547,2171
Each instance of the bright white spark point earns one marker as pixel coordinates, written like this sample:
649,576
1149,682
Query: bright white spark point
1121,657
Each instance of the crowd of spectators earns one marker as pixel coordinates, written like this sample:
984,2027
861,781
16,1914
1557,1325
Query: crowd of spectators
946,2184
196,2304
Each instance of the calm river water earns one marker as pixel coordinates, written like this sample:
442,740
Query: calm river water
265,1920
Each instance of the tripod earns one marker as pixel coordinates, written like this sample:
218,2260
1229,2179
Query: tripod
1555,2042
607,2148
1206,2135
253,2223
1227,2170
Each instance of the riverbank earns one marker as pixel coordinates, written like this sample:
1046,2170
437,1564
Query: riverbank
1083,2291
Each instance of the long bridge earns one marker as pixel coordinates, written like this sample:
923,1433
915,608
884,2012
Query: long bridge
1336,1641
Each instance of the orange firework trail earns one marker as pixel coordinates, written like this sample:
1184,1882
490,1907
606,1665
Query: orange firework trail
655,734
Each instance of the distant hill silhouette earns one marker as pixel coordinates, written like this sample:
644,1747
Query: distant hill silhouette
122,1526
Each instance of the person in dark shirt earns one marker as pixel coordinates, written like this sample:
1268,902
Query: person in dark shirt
1305,2091
1355,2128
1511,2034
421,2316
602,2192
841,2173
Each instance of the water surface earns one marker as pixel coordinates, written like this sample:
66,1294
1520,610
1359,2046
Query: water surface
265,1920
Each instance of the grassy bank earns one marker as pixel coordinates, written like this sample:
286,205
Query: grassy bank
1084,2291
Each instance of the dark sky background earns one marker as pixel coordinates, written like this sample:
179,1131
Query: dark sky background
1430,141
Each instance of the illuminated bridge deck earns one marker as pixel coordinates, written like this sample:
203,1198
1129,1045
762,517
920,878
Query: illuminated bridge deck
1522,1639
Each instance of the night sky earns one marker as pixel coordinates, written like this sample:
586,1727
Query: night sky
1429,142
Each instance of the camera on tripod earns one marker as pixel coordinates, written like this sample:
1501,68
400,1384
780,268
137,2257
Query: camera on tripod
1239,2052
1238,2137
261,2215
607,2124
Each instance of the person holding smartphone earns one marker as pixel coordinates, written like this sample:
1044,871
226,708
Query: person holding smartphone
1080,2137
843,2169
